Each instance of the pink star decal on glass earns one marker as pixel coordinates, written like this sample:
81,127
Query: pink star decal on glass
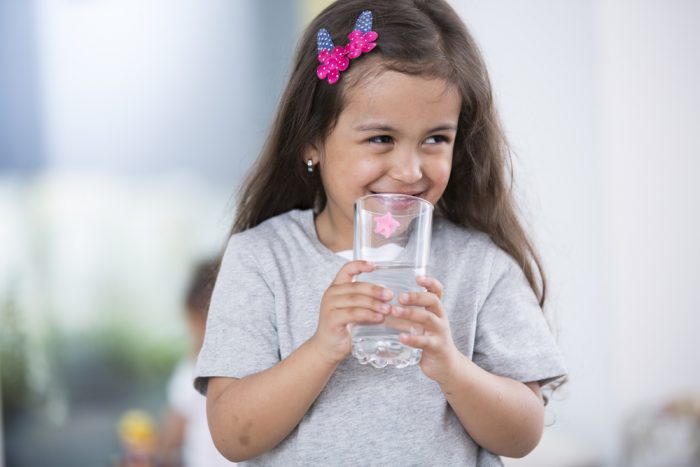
386,225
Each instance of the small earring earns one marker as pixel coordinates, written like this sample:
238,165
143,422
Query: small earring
310,166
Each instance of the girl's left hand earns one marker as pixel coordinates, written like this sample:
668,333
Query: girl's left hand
425,309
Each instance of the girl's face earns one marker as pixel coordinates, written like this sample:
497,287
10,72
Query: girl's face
395,135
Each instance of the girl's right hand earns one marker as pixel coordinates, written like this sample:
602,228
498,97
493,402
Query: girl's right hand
346,302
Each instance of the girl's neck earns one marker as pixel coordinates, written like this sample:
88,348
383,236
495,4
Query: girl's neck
334,234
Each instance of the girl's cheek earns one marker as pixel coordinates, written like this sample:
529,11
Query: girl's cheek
369,166
445,173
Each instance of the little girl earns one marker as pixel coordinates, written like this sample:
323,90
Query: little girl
397,101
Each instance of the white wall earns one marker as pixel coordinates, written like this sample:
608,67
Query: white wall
601,104
649,125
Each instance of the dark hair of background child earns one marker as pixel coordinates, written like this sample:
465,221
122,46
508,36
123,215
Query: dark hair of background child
201,287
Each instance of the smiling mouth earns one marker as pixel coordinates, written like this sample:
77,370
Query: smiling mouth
417,194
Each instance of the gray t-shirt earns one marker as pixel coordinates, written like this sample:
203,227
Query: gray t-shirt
266,304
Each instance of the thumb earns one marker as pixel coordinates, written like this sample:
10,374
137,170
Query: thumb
350,270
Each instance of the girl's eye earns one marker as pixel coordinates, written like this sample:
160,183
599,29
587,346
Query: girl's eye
381,139
436,139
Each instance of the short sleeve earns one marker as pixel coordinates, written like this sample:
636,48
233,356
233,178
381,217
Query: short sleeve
241,333
512,335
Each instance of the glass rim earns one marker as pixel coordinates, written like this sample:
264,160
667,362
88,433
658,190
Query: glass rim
423,202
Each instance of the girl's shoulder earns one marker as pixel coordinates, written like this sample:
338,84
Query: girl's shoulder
291,223
454,244
285,235
449,234
461,256
278,240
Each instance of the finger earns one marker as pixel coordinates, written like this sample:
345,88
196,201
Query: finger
423,342
371,290
422,299
416,315
350,270
430,284
359,301
345,316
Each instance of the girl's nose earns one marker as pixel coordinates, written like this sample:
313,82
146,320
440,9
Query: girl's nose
406,166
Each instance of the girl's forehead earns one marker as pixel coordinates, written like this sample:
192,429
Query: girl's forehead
374,70
392,93
377,76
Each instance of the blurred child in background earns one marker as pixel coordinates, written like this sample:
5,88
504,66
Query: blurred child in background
185,439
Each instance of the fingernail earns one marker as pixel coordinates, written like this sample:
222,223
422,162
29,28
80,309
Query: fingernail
398,310
387,294
403,297
384,308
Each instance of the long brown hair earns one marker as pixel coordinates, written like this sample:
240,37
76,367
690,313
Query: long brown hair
418,37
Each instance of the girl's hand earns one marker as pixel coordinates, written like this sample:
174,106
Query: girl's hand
425,309
346,302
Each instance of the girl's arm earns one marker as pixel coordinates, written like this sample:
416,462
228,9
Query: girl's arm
251,415
502,415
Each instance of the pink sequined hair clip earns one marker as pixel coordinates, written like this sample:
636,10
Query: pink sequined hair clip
335,59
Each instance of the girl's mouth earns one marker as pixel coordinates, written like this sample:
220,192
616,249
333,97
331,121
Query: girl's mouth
399,203
416,194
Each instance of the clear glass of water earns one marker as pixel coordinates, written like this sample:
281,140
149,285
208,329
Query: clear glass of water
393,232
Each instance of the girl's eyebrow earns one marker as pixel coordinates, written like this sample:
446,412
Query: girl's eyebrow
387,128
374,127
445,127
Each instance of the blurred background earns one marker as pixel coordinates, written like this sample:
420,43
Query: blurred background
127,126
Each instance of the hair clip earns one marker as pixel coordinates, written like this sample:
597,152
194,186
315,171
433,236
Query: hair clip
335,59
